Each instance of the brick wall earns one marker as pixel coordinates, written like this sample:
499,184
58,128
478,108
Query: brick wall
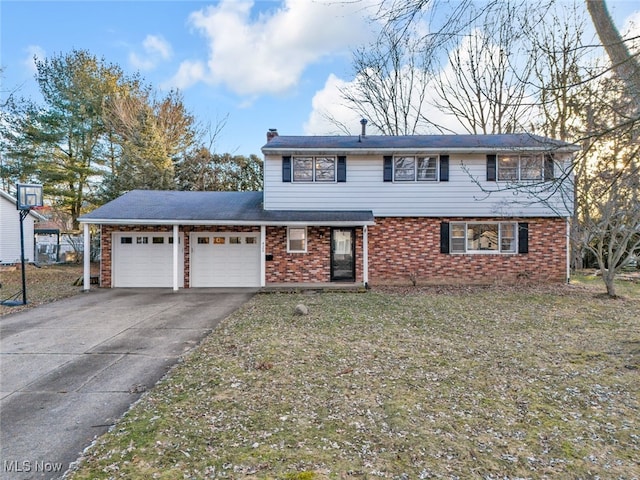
402,249
314,266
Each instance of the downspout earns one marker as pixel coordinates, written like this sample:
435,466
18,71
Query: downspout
176,251
263,249
365,256
86,280
568,250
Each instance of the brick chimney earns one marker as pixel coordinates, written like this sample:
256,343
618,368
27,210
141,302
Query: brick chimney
271,134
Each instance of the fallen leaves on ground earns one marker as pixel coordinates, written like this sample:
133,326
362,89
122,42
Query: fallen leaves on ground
396,383
45,284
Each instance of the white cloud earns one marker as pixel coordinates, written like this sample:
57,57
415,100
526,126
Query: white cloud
269,53
330,115
33,51
189,73
155,49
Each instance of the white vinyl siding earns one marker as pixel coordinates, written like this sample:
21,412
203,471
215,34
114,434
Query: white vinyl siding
10,233
465,194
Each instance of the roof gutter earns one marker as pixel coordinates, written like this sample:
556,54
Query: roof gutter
413,150
240,223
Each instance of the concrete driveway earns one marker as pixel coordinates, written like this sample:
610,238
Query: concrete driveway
69,369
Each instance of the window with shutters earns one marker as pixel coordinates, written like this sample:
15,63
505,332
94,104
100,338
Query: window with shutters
314,169
483,237
412,169
522,167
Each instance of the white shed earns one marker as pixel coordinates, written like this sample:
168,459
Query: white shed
10,231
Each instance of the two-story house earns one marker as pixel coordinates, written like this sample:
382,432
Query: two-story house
362,209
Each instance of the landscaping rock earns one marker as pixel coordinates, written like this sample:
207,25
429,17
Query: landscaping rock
301,309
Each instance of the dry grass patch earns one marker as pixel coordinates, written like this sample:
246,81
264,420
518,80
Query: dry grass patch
44,284
431,383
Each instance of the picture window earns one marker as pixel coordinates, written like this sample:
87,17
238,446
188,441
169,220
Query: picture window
477,237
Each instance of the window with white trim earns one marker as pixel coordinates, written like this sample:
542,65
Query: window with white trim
412,169
297,240
520,167
314,169
483,237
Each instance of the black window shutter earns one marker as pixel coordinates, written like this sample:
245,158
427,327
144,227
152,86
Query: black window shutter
491,168
444,237
548,167
342,169
388,169
523,238
286,169
444,168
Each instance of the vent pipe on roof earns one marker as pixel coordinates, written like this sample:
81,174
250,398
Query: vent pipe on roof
363,122
271,134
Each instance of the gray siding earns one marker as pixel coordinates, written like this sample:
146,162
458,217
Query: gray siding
467,193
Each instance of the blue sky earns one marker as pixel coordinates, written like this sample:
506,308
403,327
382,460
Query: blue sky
265,64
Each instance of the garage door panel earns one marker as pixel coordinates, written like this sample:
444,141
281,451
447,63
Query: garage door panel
225,259
145,259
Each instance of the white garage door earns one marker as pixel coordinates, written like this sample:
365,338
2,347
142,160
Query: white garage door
225,259
145,259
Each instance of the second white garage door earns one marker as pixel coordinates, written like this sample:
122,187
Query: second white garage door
225,259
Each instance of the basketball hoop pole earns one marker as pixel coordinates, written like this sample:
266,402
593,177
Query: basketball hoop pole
23,215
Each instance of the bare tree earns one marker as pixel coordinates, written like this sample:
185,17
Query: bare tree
611,223
391,84
484,85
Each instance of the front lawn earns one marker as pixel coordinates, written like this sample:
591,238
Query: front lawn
45,284
431,383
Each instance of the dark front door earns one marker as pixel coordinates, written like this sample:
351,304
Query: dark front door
343,265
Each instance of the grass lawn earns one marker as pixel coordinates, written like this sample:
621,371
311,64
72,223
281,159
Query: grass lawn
488,383
44,284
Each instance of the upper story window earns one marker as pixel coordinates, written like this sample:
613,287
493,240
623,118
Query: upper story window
412,169
520,167
314,169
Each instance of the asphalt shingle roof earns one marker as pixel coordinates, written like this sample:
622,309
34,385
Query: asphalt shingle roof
169,206
500,142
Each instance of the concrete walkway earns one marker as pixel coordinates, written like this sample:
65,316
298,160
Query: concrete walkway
69,369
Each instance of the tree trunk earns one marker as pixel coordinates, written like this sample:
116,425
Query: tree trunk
625,65
609,275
